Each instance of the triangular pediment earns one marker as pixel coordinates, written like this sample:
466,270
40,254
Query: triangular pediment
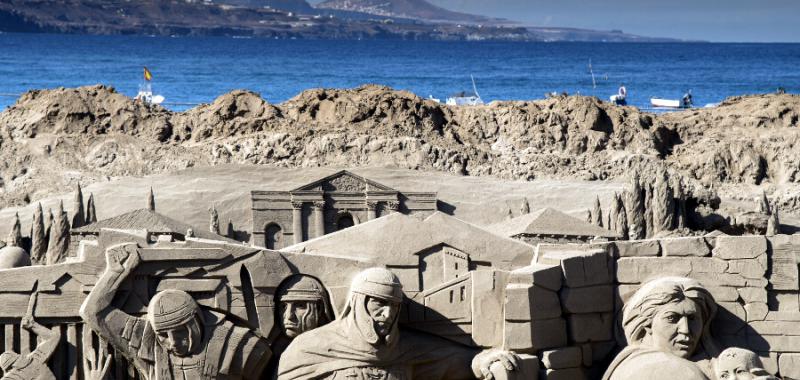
344,181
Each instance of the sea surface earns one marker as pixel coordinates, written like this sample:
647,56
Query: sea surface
192,70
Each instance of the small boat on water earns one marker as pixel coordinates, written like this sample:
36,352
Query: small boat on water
685,102
465,99
145,93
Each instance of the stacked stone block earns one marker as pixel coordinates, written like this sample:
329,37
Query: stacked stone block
586,304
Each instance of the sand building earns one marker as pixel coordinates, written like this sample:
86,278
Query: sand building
338,201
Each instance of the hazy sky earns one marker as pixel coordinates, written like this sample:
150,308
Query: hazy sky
719,20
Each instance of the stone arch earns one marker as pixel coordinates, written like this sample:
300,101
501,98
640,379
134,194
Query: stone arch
345,219
273,235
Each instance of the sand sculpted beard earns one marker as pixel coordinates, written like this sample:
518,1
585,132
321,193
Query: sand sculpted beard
299,317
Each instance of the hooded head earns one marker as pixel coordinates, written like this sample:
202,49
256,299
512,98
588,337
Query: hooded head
175,317
302,305
373,306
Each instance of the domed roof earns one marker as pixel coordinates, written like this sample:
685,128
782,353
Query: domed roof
14,257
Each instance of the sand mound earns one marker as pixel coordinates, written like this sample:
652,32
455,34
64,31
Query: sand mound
91,133
93,110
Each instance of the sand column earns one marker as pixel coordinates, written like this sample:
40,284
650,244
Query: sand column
372,210
319,220
297,221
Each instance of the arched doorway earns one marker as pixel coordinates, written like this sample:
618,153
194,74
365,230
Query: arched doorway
273,236
345,220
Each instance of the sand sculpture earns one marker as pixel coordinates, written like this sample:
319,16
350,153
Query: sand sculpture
415,294
666,324
33,365
739,364
370,344
177,339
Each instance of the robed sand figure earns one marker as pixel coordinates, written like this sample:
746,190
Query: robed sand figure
303,305
666,325
177,340
366,343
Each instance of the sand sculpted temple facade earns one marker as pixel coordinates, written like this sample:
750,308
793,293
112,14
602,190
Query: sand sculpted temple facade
403,292
330,204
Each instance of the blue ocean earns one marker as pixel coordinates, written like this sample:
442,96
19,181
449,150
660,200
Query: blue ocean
189,71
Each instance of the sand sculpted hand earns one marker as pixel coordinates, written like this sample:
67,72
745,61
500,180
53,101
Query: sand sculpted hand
96,370
122,259
27,322
486,364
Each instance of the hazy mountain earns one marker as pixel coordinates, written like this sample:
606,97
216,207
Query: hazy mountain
413,9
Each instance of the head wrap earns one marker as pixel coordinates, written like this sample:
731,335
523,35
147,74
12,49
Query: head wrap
170,309
378,283
301,288
304,288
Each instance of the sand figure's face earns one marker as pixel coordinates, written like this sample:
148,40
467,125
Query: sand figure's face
676,328
383,314
739,364
732,369
182,340
298,317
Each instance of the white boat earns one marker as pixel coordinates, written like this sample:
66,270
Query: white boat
665,103
685,102
464,99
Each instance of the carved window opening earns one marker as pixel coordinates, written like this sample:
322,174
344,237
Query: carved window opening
345,220
273,236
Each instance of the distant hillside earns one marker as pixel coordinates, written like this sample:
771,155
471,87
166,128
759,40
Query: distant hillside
264,18
414,9
296,6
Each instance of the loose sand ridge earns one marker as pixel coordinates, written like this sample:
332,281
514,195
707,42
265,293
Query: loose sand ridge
53,138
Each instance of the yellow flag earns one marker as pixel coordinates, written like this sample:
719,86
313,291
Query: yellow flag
147,74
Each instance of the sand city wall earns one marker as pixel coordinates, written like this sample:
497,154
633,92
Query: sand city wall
754,280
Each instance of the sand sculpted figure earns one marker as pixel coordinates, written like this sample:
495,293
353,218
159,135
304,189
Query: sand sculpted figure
34,365
740,364
303,305
666,324
177,340
366,343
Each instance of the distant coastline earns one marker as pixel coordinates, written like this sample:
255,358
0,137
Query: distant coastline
212,19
